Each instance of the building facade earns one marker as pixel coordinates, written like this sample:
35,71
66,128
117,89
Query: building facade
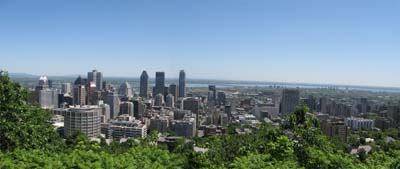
182,84
86,119
290,99
144,84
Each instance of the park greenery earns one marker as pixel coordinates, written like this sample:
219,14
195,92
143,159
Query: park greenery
28,140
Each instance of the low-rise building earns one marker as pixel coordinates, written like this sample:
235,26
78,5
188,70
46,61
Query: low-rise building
124,126
356,123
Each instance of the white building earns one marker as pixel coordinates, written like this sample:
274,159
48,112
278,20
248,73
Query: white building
356,123
125,126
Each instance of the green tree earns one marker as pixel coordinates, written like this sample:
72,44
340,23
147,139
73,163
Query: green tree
23,125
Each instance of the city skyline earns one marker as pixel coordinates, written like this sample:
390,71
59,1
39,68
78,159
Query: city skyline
340,42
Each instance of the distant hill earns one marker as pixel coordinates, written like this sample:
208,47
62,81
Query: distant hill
22,75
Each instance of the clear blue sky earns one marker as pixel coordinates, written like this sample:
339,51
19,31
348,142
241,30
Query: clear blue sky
314,41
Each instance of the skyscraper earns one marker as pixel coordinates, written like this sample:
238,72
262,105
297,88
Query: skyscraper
42,84
311,102
158,102
212,93
66,88
125,90
113,101
80,91
182,83
126,108
173,89
290,99
192,104
221,98
144,82
169,101
160,83
97,77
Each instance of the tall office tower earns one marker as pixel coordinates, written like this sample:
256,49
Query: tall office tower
173,89
125,89
221,98
141,109
323,103
80,91
212,93
113,101
91,89
97,77
66,88
48,98
159,100
182,83
43,83
192,104
166,91
50,83
363,106
160,83
136,103
311,102
169,101
290,99
228,111
105,112
144,84
126,108
86,119
104,86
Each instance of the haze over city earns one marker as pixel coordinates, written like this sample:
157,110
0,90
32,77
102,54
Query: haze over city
336,42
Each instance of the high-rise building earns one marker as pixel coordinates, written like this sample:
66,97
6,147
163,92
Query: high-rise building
311,102
290,99
50,82
192,104
91,90
212,93
363,106
144,84
221,98
97,77
159,100
113,101
105,112
125,90
66,88
166,91
43,83
323,103
48,98
80,91
182,84
169,101
126,108
160,83
173,89
86,119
